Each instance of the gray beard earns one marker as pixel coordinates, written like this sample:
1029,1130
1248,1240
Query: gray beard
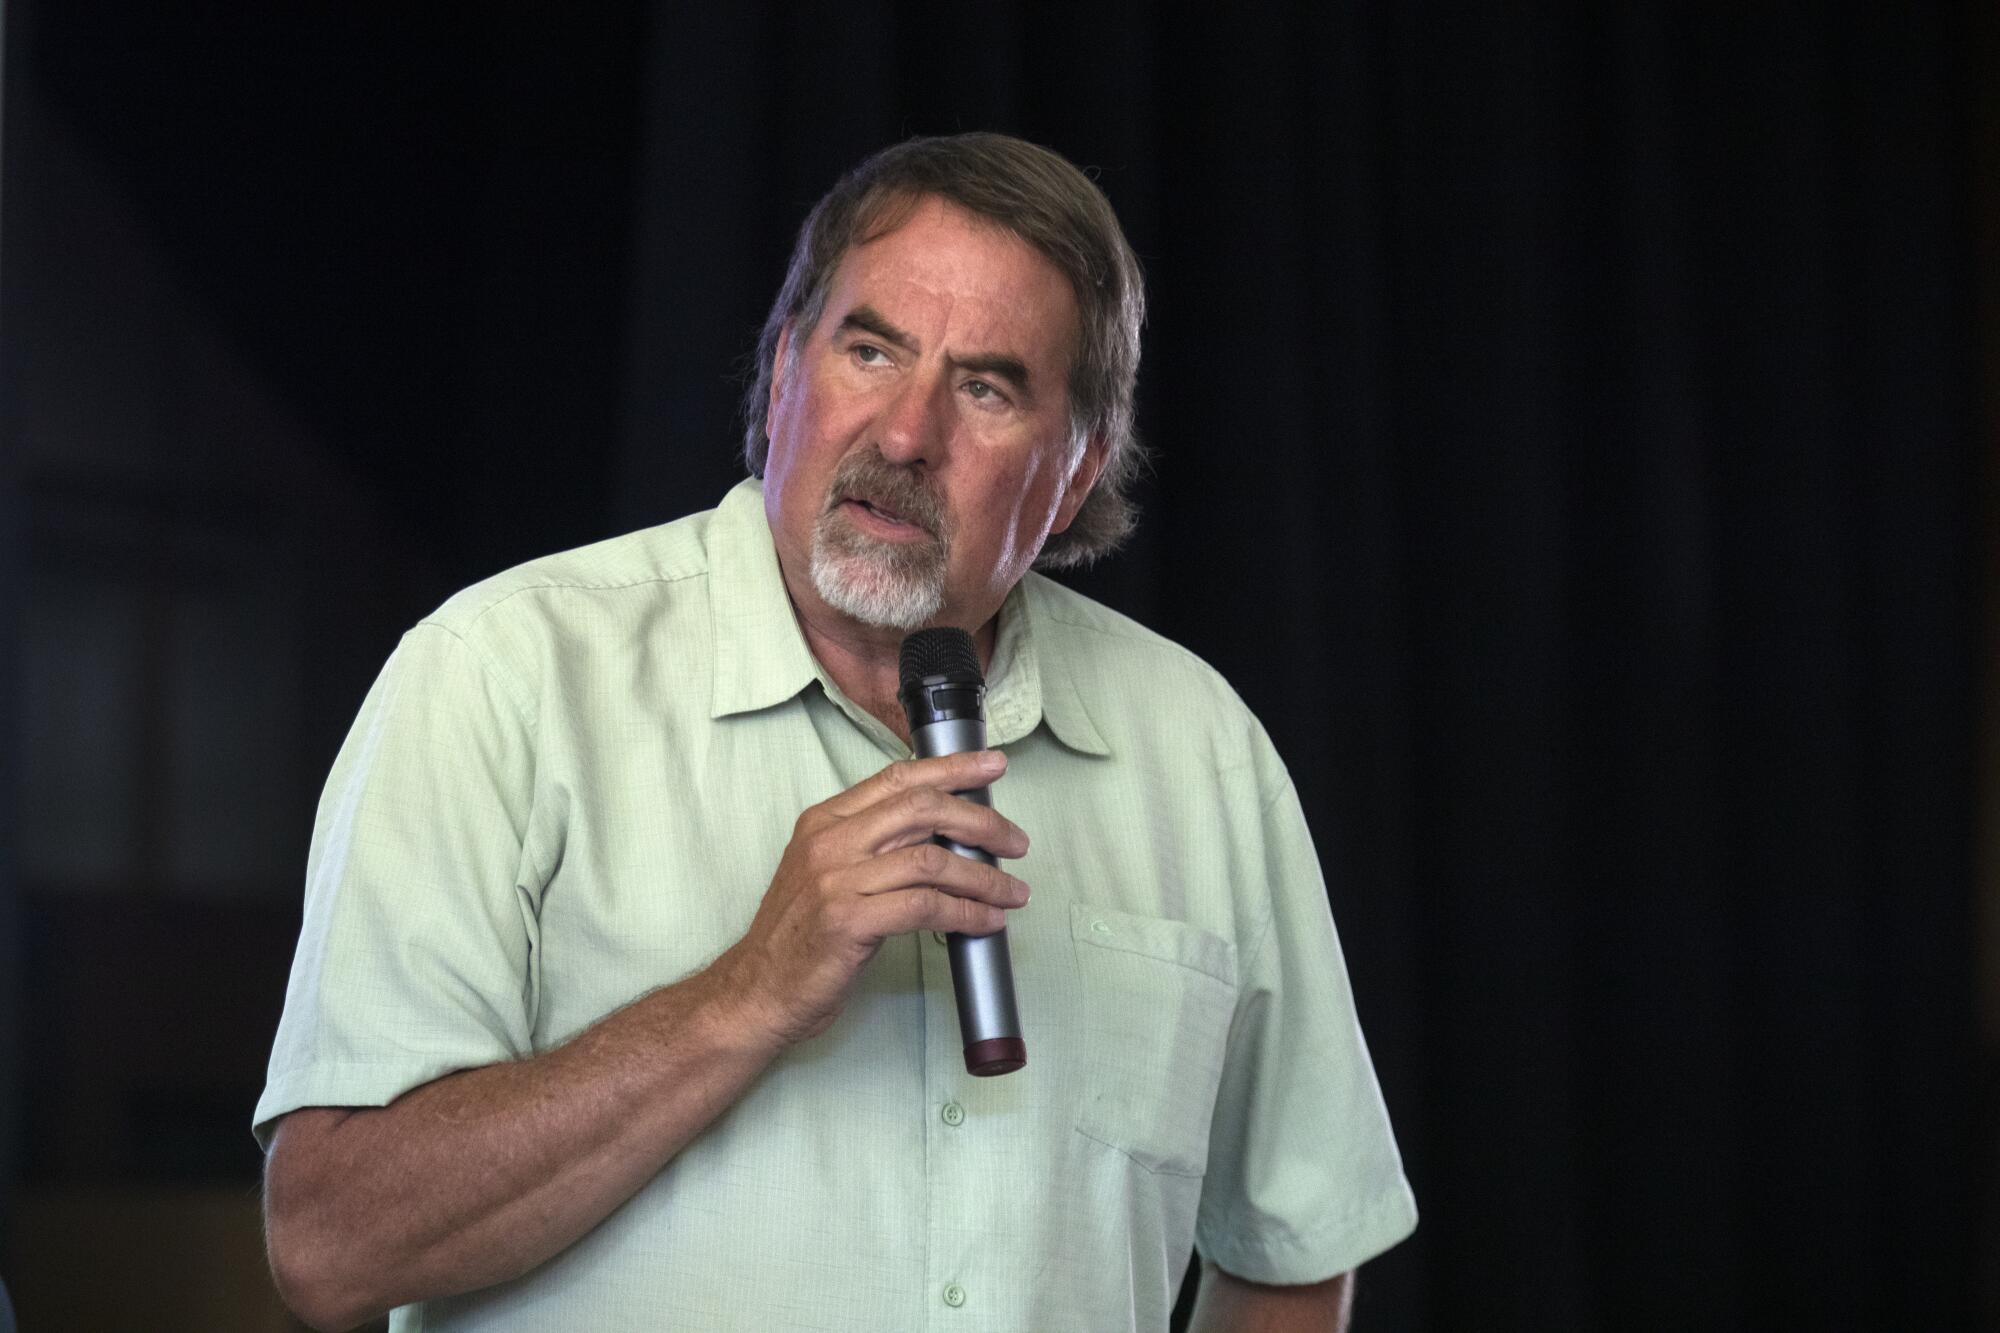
889,586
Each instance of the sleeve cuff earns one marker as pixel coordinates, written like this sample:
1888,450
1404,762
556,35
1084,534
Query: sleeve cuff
334,1085
1291,1260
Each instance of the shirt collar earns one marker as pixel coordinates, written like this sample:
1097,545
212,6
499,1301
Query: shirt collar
761,657
1032,676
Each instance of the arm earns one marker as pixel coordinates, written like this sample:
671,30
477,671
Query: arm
1229,1304
478,1177
1295,1064
481,1175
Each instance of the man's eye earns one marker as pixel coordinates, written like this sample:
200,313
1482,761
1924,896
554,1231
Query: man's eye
983,392
869,355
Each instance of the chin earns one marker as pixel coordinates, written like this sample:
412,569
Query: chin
860,589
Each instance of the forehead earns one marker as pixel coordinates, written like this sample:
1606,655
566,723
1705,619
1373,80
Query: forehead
950,276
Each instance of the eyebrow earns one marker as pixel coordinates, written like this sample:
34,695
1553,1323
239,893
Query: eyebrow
869,320
866,319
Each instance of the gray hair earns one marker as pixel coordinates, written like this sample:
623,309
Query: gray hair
1047,202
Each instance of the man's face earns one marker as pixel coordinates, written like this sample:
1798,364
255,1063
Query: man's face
920,444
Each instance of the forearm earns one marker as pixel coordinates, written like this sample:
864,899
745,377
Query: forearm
1228,1304
480,1176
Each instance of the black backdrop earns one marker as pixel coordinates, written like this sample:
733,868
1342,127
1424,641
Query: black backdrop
1567,442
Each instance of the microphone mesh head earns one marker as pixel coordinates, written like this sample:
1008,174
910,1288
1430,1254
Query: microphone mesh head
943,651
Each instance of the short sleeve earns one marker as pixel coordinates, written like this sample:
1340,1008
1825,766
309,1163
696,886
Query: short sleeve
415,956
1304,1180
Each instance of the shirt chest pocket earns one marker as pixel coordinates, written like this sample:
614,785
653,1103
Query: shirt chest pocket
1158,997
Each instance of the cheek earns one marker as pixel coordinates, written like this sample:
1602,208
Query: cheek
791,429
788,466
1016,526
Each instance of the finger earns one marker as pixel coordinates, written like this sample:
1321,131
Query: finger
950,772
929,866
930,909
914,816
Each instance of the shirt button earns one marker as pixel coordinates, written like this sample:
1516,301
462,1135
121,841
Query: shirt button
954,1295
1100,927
954,1114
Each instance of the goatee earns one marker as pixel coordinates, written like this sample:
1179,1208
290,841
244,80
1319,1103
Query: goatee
893,585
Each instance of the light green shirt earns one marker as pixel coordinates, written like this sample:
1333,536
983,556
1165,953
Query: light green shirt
571,785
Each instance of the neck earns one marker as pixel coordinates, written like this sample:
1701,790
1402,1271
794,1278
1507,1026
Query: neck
864,660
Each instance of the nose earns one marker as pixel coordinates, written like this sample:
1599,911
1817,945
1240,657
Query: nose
915,422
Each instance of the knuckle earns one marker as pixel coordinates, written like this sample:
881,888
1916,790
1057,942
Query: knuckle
979,917
933,860
955,911
839,917
924,909
818,884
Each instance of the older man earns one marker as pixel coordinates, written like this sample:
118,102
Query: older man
622,1000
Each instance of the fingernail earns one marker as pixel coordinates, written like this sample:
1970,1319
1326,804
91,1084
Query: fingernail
993,761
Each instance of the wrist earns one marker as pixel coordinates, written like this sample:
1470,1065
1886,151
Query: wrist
732,1012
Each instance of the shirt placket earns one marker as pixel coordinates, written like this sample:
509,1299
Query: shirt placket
962,1272
960,1280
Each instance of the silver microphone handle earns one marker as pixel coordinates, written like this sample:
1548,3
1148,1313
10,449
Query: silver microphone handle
981,965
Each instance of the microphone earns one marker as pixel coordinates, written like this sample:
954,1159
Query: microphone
944,697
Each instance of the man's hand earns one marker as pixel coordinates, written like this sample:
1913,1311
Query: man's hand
861,867
479,1176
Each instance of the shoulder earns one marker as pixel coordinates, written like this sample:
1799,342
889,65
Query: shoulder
637,565
1137,685
1089,629
578,619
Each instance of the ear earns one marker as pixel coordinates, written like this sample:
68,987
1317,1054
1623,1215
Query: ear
1082,477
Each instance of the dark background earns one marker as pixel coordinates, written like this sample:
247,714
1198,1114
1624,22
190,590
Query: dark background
1573,439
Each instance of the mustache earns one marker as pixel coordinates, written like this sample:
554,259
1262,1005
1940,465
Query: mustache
874,479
